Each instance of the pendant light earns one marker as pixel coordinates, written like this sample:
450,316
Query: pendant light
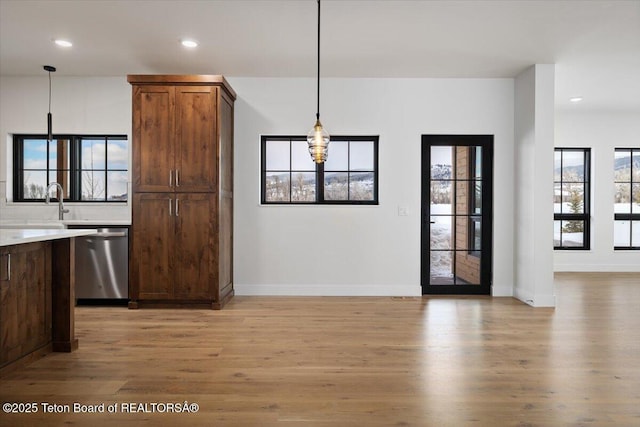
318,137
50,69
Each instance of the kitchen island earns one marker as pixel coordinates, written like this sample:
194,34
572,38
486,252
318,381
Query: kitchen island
37,286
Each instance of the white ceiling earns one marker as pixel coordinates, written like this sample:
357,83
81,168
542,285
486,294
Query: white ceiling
594,44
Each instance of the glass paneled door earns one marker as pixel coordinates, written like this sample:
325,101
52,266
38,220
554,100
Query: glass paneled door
456,214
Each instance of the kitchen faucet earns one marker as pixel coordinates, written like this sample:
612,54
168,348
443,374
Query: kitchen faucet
61,209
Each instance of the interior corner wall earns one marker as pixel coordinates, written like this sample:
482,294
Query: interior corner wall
603,132
534,143
360,250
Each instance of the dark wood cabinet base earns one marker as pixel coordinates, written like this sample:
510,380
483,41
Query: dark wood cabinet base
213,305
63,281
38,302
65,346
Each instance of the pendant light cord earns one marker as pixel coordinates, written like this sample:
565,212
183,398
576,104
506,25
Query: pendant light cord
49,69
49,91
318,90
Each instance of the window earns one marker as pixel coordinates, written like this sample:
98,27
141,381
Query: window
626,225
349,176
571,198
90,168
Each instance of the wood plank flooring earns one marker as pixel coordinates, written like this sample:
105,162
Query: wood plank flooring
290,361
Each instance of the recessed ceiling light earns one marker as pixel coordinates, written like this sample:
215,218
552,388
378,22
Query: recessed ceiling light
63,43
575,99
189,43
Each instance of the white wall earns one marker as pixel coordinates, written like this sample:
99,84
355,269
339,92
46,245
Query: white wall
602,132
534,124
94,105
304,250
361,250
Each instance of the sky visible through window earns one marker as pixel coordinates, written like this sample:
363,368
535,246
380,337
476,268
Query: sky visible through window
103,168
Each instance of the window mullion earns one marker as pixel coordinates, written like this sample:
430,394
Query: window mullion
348,170
74,168
320,182
106,179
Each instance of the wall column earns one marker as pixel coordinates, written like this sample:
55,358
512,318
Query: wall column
533,193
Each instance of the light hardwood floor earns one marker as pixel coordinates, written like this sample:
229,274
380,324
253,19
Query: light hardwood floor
289,361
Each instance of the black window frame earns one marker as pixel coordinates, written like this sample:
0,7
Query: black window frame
319,171
74,192
474,216
585,216
631,217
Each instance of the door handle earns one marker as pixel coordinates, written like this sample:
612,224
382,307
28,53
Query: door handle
170,208
177,179
170,177
177,206
111,234
8,267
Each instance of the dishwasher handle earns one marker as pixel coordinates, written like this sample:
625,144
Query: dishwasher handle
110,234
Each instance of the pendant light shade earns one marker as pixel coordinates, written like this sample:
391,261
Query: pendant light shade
318,137
50,69
318,141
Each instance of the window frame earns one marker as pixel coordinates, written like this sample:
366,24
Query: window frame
631,217
319,171
474,217
585,216
75,170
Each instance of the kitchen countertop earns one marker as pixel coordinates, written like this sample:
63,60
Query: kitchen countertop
96,221
56,223
17,236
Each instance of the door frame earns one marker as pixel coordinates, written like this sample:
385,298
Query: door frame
486,261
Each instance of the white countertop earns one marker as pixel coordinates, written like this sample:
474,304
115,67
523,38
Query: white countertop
17,236
108,222
55,223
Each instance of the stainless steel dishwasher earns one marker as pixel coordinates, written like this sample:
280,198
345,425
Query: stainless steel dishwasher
102,264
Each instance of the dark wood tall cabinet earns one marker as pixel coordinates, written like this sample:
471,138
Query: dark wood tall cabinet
182,204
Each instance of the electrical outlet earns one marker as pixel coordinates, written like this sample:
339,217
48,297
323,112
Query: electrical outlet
403,211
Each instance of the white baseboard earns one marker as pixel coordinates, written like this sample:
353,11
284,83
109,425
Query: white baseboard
327,290
535,300
501,291
595,268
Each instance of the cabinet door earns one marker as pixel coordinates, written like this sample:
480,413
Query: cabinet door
25,300
152,246
195,256
196,138
153,138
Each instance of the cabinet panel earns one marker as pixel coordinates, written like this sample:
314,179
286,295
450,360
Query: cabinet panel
226,145
196,145
153,134
152,247
225,246
25,300
225,210
195,246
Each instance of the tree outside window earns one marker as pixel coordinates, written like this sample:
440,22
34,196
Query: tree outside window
349,176
92,168
626,226
571,198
